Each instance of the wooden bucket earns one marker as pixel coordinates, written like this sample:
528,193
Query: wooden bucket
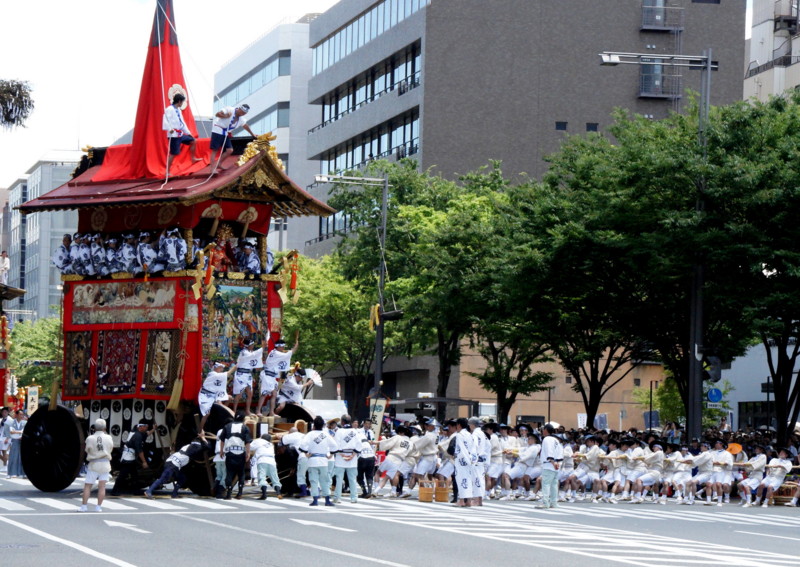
426,493
442,493
785,493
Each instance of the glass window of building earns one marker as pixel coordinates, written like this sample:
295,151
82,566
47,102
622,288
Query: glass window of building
363,29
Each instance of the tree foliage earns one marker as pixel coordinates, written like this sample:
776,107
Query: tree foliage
39,340
332,316
16,103
669,404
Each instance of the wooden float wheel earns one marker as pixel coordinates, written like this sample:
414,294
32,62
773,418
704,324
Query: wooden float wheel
197,472
52,448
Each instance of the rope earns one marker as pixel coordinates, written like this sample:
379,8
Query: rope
161,72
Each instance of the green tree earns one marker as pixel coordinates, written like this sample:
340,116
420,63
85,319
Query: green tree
16,103
667,401
332,316
428,259
755,200
638,198
578,294
511,351
39,340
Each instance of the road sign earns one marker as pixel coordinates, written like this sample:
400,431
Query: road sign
714,395
651,419
714,405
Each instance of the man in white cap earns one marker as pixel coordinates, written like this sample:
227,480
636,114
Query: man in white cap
427,445
278,360
214,387
226,121
705,464
249,358
98,454
776,470
483,449
551,456
755,475
249,262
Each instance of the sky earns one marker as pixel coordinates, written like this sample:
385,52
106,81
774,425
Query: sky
84,61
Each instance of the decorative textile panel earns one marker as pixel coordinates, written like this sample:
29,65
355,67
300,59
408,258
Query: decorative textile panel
117,362
163,358
77,364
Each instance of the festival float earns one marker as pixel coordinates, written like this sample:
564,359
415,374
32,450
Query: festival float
137,343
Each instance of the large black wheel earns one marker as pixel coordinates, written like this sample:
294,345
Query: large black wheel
199,474
293,412
52,448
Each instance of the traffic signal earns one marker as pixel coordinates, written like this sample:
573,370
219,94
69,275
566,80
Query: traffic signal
395,315
713,369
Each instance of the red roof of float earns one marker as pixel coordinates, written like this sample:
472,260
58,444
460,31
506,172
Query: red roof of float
259,179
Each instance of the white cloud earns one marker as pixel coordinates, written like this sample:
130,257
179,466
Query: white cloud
84,60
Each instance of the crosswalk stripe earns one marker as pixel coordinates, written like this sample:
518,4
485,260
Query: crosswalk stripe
12,506
258,504
153,504
112,505
55,503
22,481
206,504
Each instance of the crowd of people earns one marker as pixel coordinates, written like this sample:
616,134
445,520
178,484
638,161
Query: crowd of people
100,255
495,461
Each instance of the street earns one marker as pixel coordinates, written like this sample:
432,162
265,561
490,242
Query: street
45,529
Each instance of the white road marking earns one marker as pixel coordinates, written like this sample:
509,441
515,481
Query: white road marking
56,503
72,544
112,505
321,525
22,481
285,541
770,535
12,506
154,504
258,504
210,504
125,526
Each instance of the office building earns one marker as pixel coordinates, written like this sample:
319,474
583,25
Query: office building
774,50
271,76
456,84
33,239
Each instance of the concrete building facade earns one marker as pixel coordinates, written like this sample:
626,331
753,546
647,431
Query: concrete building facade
33,239
774,49
271,76
456,84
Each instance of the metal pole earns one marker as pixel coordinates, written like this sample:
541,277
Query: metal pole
549,391
769,413
694,417
650,415
381,282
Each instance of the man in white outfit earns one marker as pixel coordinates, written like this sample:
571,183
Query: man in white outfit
98,454
551,456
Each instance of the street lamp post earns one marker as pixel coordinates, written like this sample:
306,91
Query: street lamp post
384,183
650,415
703,63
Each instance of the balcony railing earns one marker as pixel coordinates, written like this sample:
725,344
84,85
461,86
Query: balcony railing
661,18
402,87
783,61
659,85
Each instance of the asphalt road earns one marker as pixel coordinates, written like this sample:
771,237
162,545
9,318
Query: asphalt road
38,529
